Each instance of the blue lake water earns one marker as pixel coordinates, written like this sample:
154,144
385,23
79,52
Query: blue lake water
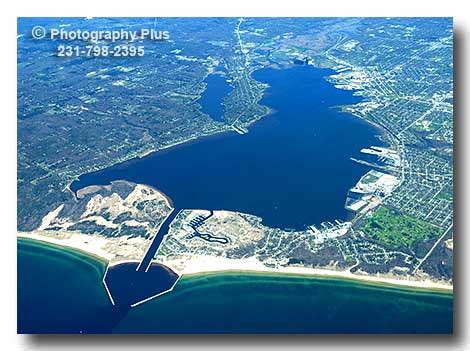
211,100
292,169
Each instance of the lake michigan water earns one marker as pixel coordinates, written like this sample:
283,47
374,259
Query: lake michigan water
61,291
292,169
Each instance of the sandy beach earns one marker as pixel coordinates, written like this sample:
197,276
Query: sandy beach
88,244
209,264
197,265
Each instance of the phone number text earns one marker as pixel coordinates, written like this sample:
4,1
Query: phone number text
101,51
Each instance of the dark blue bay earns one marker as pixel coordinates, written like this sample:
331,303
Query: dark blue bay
292,169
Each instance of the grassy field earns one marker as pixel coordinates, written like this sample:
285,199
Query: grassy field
392,228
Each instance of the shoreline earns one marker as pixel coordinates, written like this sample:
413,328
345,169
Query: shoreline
213,265
325,274
58,246
149,153
328,277
83,248
205,265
